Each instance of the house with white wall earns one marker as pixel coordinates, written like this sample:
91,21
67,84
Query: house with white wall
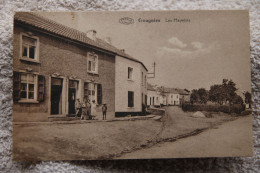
153,96
158,96
169,96
130,85
173,97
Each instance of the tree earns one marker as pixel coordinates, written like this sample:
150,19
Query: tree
229,89
194,97
203,95
216,94
199,96
237,100
248,99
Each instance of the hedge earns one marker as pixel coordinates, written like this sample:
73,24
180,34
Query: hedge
237,108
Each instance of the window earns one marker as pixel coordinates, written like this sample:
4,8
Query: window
130,73
93,92
145,81
29,48
92,61
142,78
99,94
28,87
130,99
86,91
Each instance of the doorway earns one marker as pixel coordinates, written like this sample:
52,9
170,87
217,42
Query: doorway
73,86
56,96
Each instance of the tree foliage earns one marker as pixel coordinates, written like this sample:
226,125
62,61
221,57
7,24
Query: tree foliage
199,96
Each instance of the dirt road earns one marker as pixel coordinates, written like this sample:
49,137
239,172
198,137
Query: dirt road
103,140
233,138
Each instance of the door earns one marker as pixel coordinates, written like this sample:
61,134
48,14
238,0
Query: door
72,100
56,96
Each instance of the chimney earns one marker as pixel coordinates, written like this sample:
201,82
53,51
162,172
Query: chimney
122,50
108,40
92,34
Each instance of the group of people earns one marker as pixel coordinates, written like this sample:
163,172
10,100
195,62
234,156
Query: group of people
88,110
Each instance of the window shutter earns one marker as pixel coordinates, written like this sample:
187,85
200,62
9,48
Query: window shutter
16,86
86,91
41,88
99,94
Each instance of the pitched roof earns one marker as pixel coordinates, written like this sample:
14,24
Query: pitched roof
150,87
163,89
168,90
50,26
183,92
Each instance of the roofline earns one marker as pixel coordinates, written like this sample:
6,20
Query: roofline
16,21
133,60
63,37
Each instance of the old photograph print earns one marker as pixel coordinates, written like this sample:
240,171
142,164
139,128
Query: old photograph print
131,85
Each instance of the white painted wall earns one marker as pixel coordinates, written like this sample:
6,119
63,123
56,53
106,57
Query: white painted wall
173,98
163,100
123,85
152,94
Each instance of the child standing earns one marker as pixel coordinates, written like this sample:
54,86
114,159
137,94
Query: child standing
104,110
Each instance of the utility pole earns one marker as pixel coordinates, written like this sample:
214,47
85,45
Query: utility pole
153,73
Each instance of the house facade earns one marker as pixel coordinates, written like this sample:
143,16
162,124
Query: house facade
173,98
154,96
131,86
158,96
184,95
55,65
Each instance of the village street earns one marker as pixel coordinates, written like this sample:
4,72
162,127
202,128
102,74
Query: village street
111,139
229,139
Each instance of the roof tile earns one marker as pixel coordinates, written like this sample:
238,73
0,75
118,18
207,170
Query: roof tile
59,29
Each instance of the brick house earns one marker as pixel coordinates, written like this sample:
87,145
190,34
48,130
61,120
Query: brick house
54,65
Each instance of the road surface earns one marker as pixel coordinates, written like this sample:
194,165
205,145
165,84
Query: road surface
232,138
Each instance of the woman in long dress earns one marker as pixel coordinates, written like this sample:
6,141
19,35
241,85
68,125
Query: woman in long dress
93,109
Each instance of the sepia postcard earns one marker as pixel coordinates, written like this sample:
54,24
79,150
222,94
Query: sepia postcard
131,85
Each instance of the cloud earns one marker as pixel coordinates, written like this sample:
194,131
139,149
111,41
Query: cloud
193,49
176,42
196,45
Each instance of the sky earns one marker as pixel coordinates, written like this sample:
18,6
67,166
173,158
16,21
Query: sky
208,47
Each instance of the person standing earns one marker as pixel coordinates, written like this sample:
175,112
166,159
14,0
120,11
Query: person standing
93,109
88,106
78,108
104,110
84,109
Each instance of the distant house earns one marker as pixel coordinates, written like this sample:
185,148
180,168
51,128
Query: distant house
171,96
154,96
54,65
184,95
158,96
